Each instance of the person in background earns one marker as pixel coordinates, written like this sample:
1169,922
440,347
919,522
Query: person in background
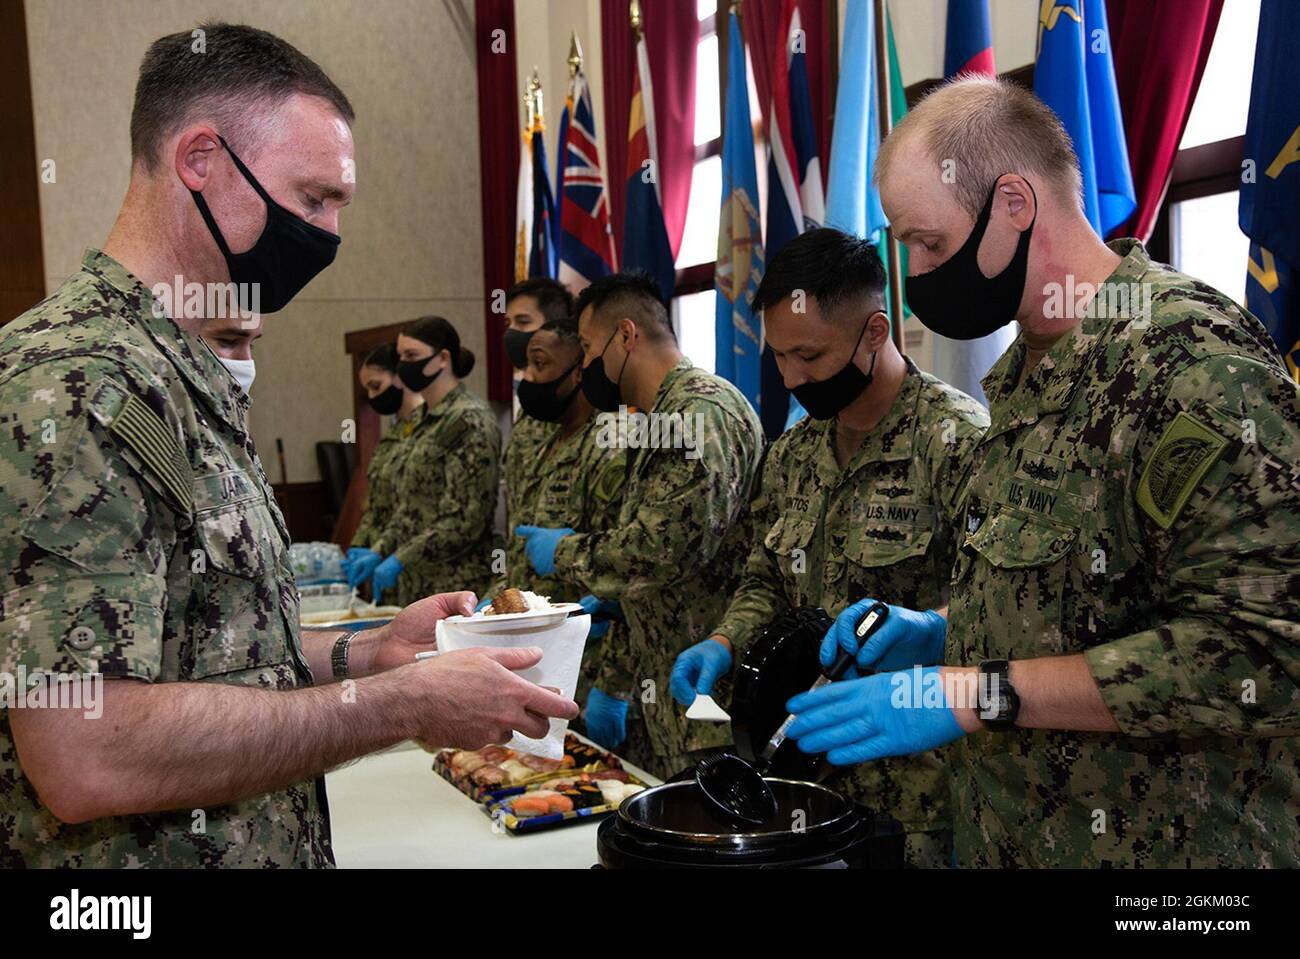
674,556
860,499
231,339
573,480
387,397
439,536
529,306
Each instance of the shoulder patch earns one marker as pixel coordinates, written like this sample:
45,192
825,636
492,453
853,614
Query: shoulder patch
1180,461
147,435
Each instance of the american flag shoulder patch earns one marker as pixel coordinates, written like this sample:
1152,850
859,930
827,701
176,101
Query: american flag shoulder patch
145,433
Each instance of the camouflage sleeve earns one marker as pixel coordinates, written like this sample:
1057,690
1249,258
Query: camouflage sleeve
688,499
463,469
762,595
86,468
367,531
1217,500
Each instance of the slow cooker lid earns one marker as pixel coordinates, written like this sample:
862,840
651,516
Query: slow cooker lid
678,812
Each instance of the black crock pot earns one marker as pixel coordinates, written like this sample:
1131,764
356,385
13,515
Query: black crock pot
672,827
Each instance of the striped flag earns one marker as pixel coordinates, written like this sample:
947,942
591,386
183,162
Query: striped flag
968,44
645,238
542,261
586,241
796,200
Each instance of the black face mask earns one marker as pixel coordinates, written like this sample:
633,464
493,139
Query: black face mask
600,391
412,375
388,402
542,401
517,347
824,398
956,300
285,258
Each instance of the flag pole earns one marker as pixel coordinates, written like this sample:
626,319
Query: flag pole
885,96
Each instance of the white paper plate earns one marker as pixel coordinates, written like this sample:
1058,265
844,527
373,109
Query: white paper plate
516,622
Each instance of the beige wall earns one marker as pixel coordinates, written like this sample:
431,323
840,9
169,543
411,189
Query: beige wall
412,238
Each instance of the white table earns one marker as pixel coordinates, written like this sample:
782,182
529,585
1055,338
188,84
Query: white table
391,809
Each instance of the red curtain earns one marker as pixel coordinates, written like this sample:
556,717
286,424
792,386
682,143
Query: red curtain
1160,49
672,33
498,161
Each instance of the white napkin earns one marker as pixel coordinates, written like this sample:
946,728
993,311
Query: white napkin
706,709
561,647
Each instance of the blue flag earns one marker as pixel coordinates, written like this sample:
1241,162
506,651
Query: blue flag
1270,191
1075,76
542,261
739,347
852,201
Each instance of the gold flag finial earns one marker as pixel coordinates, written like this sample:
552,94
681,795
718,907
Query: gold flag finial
530,101
575,55
635,14
539,113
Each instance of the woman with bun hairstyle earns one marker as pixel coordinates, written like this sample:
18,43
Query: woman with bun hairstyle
387,397
439,537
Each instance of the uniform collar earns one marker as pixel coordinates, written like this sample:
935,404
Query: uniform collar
1052,383
191,357
444,405
893,438
670,381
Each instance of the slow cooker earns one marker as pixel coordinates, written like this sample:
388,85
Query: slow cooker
675,826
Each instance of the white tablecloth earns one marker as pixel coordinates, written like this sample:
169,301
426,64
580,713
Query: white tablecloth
391,809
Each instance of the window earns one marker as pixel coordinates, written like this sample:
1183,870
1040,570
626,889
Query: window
1204,239
694,304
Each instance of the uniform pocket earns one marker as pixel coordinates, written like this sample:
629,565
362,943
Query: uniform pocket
236,623
1018,572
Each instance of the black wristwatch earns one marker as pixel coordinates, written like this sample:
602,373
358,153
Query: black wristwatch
998,703
339,656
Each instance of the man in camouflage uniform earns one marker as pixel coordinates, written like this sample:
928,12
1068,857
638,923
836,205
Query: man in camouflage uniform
859,503
141,545
1132,534
572,481
530,305
675,554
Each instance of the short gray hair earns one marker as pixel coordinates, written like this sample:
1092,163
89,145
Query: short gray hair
988,127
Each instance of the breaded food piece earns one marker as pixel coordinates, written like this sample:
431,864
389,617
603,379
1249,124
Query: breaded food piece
509,600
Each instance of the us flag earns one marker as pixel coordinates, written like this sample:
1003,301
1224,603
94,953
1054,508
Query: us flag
586,242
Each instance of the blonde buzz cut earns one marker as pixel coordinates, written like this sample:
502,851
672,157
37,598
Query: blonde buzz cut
982,127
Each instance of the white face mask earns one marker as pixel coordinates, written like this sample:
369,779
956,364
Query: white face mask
243,371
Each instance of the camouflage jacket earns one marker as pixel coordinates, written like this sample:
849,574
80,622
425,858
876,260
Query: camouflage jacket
381,492
1137,500
883,527
445,500
575,482
139,538
676,554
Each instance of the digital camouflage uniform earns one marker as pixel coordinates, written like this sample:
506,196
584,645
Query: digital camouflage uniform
139,537
446,495
882,527
381,473
1137,500
575,482
674,558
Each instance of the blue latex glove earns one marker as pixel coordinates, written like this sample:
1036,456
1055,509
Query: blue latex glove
599,627
908,638
697,669
540,543
359,564
606,719
886,714
385,577
483,604
606,608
